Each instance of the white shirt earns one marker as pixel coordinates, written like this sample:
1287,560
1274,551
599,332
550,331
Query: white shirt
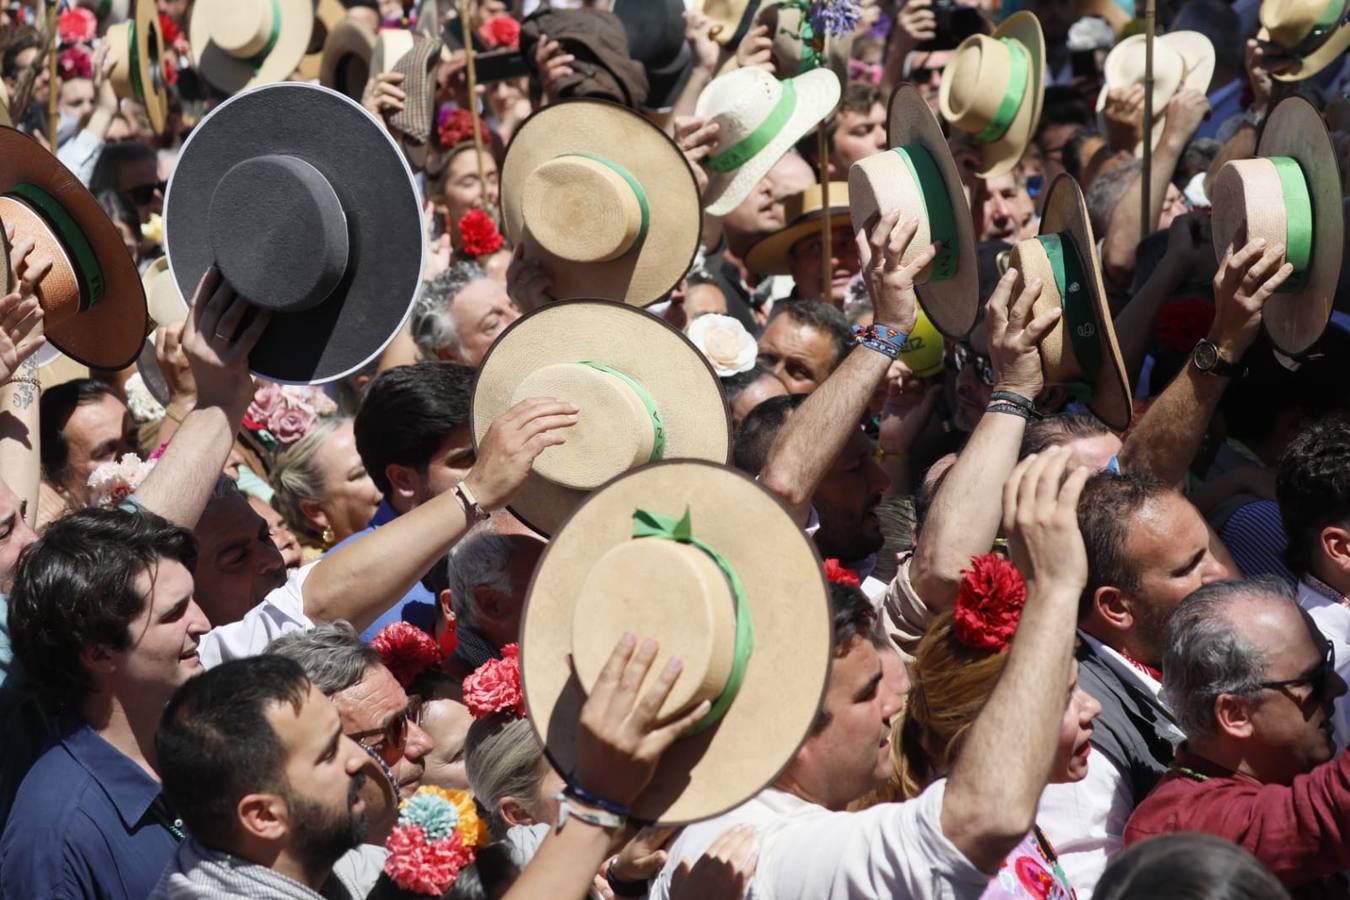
1333,620
807,852
282,611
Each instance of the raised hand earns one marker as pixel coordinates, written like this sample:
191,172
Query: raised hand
1185,112
891,285
216,350
643,856
20,332
1124,116
756,49
552,64
175,366
698,32
383,97
1015,337
512,443
1244,282
696,138
915,23
527,282
1040,517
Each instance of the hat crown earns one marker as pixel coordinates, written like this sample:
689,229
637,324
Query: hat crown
739,102
973,80
1125,67
809,201
1290,21
584,209
242,28
59,289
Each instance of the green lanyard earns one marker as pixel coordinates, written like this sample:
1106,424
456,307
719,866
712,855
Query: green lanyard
173,826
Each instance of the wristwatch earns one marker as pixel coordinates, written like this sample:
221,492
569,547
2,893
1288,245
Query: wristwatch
1206,358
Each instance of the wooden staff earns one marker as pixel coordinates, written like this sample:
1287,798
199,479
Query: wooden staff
1146,176
473,100
826,248
53,91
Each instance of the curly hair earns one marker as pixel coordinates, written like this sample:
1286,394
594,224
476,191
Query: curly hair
1313,487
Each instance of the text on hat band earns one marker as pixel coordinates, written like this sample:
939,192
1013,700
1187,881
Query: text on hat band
1019,64
658,426
88,272
938,204
654,525
638,193
1322,28
1071,282
1298,218
738,153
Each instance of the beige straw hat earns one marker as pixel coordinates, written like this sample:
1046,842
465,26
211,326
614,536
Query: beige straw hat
166,307
1291,195
758,119
919,177
390,46
1182,60
5,120
327,15
645,393
770,255
796,47
1314,33
1011,61
238,44
638,556
345,66
137,49
603,199
1082,347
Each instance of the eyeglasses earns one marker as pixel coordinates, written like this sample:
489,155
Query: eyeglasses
1318,678
966,356
143,194
395,731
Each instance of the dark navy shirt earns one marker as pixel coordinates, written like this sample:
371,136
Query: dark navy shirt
84,825
417,606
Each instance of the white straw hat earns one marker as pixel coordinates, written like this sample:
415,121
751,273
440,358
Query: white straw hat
1182,61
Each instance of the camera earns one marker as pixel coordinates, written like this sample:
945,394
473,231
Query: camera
955,23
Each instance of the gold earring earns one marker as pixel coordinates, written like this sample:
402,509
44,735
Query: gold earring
328,537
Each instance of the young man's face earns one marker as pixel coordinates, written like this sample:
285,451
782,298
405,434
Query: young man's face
161,653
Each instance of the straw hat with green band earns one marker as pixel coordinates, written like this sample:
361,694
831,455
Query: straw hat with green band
1311,33
919,177
758,118
1291,195
993,88
771,254
238,44
603,199
92,302
1082,347
709,564
137,48
645,394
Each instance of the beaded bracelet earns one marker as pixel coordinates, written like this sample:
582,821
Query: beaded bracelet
882,338
1012,409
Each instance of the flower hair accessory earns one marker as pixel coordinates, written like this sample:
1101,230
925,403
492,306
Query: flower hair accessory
77,25
455,127
725,343
837,574
75,62
494,687
437,835
989,603
500,31
113,482
835,17
478,233
281,415
406,650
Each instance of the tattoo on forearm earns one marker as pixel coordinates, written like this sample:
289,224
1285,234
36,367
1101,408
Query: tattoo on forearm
24,392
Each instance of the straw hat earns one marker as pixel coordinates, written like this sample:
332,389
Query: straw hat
345,66
92,303
758,119
923,181
327,15
137,48
390,46
1182,61
769,256
1314,33
656,397
5,120
796,47
166,307
1011,59
603,199
308,208
1082,347
1290,194
239,44
612,569
731,19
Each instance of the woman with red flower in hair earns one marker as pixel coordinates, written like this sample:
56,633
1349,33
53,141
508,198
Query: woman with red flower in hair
456,191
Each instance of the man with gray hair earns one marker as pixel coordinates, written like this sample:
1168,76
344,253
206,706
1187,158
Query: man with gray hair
1252,682
459,313
487,577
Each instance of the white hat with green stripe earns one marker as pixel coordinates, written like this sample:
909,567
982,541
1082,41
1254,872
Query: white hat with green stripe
993,88
1291,195
759,118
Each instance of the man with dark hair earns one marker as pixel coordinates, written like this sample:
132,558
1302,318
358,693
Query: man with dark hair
854,131
255,760
760,429
103,622
84,424
1093,444
803,343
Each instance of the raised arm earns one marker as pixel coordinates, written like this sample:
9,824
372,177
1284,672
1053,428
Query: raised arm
991,796
20,338
816,433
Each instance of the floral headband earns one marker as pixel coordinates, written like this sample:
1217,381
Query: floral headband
494,687
455,127
500,31
280,415
406,651
989,603
438,834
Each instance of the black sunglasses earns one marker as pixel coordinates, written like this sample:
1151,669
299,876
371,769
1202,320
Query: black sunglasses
141,195
394,732
924,74
966,356
1318,677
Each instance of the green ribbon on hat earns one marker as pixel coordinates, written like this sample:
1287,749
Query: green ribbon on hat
638,192
654,525
134,61
1322,28
1076,299
1014,92
88,272
261,56
1298,219
658,426
938,204
743,150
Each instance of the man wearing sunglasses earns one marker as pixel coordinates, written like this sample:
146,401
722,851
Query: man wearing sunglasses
1252,683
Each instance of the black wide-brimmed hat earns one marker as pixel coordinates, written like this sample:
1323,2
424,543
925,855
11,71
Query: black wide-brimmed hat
306,205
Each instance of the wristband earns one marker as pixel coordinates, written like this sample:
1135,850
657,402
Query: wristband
623,888
1015,399
1000,406
882,338
598,818
472,508
581,796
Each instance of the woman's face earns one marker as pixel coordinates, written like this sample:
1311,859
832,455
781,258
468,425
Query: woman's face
1075,729
448,724
463,191
350,496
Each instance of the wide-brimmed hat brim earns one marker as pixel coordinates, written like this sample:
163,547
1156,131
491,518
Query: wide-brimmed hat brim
327,15
618,134
1197,70
1001,156
149,58
345,66
709,773
379,198
1330,51
670,368
818,93
771,255
109,335
231,74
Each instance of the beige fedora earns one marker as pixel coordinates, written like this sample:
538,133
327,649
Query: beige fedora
327,15
645,393
770,255
1011,60
1082,347
603,199
238,44
707,562
919,177
759,118
137,49
797,48
1313,33
1182,60
345,66
1291,195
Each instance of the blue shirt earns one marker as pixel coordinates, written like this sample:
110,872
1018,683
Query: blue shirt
417,606
82,825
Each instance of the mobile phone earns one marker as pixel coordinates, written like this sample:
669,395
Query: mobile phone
1084,63
499,65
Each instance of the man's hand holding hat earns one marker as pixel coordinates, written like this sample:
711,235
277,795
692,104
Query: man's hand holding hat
511,445
1246,279
890,284
1015,336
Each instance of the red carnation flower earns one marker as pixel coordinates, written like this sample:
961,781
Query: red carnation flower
406,650
77,25
478,234
500,31
1182,323
454,126
837,574
75,62
168,29
989,603
495,686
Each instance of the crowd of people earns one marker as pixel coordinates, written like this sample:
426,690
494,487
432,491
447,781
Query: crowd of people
620,448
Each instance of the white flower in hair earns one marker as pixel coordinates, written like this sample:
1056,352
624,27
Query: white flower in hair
725,342
113,482
143,405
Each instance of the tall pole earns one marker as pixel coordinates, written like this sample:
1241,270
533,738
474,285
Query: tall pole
473,101
53,92
826,248
1146,176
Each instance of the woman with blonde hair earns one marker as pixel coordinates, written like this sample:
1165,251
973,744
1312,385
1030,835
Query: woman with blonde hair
322,489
